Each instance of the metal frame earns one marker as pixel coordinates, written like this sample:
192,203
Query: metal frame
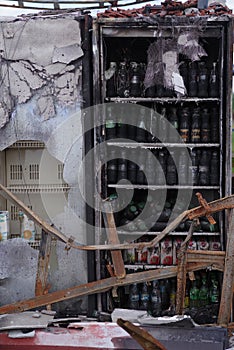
222,28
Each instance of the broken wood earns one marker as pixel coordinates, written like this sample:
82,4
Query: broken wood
34,217
112,235
182,271
215,206
43,264
144,338
227,290
108,283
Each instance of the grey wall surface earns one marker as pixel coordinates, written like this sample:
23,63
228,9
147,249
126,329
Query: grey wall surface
40,99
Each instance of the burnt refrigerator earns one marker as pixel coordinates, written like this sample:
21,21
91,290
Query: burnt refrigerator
162,91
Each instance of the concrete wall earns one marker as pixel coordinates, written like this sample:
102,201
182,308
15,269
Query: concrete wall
40,99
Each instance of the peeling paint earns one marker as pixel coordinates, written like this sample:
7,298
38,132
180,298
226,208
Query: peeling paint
66,54
46,106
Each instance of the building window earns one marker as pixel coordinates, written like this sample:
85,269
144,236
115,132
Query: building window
34,171
60,171
14,213
16,172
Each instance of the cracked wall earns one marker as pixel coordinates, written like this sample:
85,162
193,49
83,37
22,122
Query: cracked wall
41,58
41,88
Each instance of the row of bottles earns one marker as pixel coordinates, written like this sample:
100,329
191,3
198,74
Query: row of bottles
127,80
200,79
156,216
166,252
159,167
191,124
159,296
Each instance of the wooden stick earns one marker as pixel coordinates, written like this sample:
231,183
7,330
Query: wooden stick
226,295
112,234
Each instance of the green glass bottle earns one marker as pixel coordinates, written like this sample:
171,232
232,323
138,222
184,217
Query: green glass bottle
194,295
204,292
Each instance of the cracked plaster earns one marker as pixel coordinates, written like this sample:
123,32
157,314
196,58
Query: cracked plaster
36,53
41,71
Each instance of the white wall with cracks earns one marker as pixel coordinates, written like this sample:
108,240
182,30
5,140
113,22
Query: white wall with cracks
41,58
40,89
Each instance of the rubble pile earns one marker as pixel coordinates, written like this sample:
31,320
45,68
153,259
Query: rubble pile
169,8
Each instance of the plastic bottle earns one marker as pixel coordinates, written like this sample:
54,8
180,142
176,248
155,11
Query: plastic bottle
214,290
183,168
165,290
141,128
112,168
144,297
134,297
132,169
204,292
204,168
171,170
141,179
214,168
155,299
196,126
192,81
202,80
135,80
151,173
173,119
110,125
184,125
122,80
205,126
122,167
161,174
194,154
214,82
194,295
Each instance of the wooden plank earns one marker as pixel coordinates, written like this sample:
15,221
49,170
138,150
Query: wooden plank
215,206
39,221
226,294
182,271
112,235
144,338
43,264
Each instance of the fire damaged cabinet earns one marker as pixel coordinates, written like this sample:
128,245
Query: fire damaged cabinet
163,137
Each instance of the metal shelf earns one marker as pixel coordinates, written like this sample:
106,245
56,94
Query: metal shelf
161,99
160,145
48,188
166,187
148,233
137,266
27,144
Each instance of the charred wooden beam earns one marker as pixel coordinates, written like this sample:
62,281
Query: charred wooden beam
43,264
105,285
182,271
227,287
144,338
112,234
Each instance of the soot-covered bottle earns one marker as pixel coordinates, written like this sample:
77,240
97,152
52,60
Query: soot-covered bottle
155,299
134,297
